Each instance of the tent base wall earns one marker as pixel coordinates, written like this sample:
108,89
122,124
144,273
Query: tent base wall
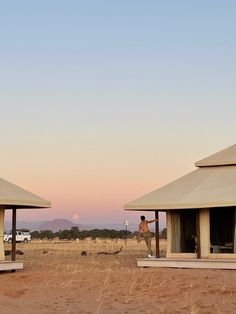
11,265
187,263
181,255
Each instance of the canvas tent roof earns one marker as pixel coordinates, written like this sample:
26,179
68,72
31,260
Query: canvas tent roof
12,195
223,158
208,186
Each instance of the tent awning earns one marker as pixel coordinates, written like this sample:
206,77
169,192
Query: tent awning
12,195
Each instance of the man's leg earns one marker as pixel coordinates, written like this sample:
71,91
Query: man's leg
148,238
146,241
150,245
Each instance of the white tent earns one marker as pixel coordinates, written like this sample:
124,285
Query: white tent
199,205
13,197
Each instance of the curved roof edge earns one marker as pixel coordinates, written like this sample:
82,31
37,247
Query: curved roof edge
165,207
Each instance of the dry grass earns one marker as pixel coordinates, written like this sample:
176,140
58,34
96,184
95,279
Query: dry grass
58,279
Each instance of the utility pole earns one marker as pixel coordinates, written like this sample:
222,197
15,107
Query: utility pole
126,223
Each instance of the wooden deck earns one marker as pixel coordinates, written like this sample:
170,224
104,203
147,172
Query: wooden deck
11,265
187,263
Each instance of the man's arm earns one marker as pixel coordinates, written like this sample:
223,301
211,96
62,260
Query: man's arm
150,221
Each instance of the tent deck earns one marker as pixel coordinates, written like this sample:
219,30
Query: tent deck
11,265
187,263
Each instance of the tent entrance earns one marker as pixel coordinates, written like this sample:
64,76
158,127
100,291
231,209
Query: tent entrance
188,231
183,231
222,225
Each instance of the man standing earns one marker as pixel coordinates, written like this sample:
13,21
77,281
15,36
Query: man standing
143,227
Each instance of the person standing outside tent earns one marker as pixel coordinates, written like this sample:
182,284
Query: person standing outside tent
143,227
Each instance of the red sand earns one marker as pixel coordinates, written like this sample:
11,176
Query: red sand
57,279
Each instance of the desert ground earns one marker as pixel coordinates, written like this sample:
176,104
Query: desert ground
58,279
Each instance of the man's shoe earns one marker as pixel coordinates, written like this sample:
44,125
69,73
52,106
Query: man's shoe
150,256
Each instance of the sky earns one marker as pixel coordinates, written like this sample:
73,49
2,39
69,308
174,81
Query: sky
104,101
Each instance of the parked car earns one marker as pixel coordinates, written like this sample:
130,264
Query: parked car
21,236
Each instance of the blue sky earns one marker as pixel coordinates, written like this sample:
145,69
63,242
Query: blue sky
102,92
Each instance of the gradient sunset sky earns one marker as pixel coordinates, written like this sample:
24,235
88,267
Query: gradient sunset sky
104,101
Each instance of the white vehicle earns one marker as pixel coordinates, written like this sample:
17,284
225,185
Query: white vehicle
21,236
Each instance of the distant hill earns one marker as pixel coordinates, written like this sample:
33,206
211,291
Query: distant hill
60,224
54,225
31,225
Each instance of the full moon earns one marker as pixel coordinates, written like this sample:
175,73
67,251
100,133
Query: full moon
75,217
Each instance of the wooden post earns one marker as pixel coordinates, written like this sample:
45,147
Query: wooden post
13,254
157,234
198,234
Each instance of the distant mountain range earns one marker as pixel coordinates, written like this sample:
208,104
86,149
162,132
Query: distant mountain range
61,224
54,225
65,224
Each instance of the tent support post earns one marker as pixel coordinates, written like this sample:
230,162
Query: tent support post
157,234
13,255
198,234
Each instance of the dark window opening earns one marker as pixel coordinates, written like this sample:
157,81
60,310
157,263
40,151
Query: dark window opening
222,222
188,231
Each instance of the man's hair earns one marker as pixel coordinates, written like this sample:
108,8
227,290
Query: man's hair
142,218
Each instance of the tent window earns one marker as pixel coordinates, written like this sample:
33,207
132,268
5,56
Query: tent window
222,222
188,231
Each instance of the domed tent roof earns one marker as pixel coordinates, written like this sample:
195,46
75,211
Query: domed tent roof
212,185
12,195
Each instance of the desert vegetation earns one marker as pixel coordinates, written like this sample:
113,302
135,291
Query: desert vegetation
74,233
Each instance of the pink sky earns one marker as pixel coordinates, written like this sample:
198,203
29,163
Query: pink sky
95,191
105,101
